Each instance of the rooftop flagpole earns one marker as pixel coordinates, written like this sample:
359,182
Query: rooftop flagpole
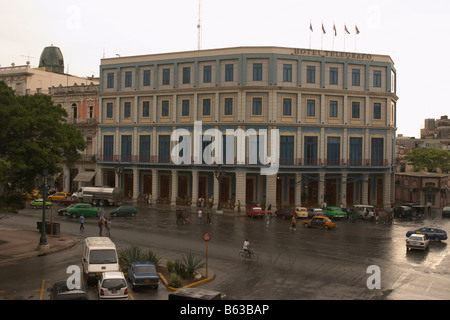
310,32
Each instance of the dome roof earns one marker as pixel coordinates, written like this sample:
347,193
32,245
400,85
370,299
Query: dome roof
52,59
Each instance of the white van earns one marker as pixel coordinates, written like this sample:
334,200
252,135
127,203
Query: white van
99,255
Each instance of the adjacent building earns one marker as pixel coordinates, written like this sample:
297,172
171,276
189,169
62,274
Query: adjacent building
326,118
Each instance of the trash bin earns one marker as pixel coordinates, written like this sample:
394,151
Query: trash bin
48,227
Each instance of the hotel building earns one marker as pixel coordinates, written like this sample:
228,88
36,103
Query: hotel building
334,113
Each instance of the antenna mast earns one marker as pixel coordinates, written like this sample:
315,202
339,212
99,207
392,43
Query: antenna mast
199,26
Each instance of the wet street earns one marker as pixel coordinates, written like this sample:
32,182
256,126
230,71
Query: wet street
305,264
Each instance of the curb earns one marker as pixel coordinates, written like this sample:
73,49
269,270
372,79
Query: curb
187,286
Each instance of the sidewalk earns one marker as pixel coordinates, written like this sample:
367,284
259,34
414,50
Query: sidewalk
18,244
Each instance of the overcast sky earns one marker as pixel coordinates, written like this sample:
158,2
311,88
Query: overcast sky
416,34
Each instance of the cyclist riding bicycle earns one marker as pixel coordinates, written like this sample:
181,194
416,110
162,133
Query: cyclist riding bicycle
247,248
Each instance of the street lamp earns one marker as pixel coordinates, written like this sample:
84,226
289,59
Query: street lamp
219,174
43,185
119,171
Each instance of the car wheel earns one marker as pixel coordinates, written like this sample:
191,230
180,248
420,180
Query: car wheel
74,215
437,239
327,227
306,225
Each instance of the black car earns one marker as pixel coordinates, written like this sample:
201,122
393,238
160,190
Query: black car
403,212
60,291
284,213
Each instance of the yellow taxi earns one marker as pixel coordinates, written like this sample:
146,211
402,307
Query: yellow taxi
58,196
33,195
319,222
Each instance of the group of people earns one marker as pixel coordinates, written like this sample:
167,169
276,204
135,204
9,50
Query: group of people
102,223
202,208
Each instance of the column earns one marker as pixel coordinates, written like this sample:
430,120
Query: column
216,195
99,177
173,198
66,177
343,199
194,188
365,189
135,183
298,189
155,185
240,190
271,190
321,187
387,190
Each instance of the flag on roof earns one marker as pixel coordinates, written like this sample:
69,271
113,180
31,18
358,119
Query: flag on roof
356,29
323,29
310,27
334,29
346,30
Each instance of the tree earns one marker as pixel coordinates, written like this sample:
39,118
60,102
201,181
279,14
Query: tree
34,135
429,159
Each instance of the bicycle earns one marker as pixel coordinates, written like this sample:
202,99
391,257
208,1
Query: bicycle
244,255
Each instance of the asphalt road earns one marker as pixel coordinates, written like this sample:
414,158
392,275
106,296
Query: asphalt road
305,264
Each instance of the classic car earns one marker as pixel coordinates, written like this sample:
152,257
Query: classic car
37,203
334,213
85,209
319,222
285,213
143,274
57,196
301,212
446,212
255,212
125,210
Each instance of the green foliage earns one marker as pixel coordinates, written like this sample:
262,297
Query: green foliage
170,265
430,159
152,257
174,280
34,135
128,255
192,264
135,253
180,269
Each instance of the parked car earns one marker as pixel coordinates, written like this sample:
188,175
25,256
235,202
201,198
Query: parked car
33,195
285,213
60,291
334,213
112,285
63,211
417,241
143,274
38,203
125,210
58,196
446,212
315,212
68,200
363,210
255,212
301,212
85,209
403,212
319,222
432,233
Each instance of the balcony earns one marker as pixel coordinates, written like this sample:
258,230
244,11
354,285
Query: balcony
283,162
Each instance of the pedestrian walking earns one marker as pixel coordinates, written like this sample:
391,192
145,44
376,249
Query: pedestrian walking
100,226
429,207
82,222
294,223
200,216
108,224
